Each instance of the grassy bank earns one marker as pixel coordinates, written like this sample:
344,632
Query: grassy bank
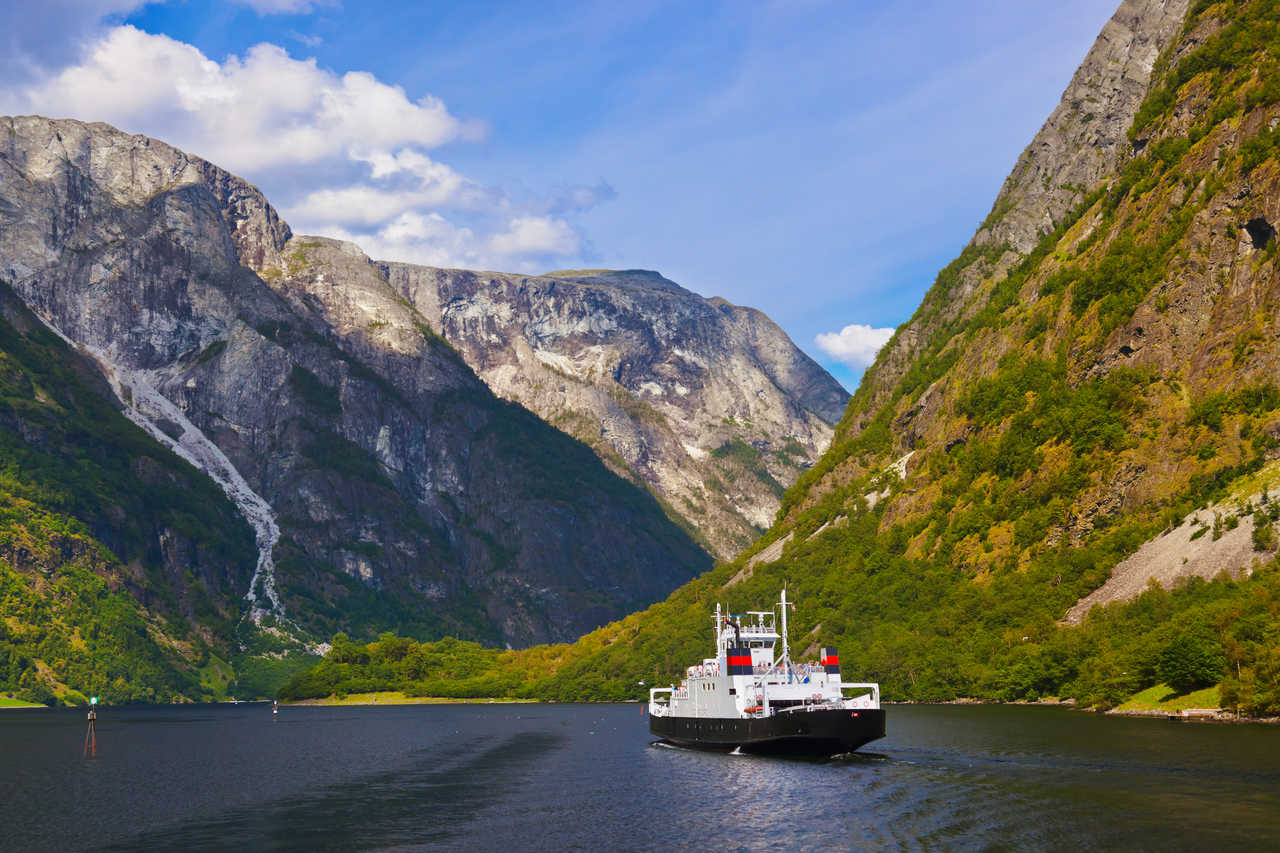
6,702
1164,698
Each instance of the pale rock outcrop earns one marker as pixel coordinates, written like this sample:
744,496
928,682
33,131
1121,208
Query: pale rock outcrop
710,404
1085,136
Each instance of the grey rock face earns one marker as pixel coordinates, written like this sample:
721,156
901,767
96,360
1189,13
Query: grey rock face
1077,148
1085,136
709,404
407,495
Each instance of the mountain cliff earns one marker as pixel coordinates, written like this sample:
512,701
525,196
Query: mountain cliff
386,486
1083,411
122,567
709,404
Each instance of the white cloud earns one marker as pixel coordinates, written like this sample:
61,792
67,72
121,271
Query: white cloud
262,110
524,244
355,205
284,7
417,238
855,345
431,184
341,154
536,235
50,34
306,39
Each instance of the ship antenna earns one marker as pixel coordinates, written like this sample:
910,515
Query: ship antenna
786,649
717,633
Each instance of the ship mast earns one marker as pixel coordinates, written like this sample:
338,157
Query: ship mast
786,650
717,631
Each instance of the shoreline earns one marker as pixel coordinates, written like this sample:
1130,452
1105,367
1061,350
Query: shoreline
1196,715
1199,715
397,698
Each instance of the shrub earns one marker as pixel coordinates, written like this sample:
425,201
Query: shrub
1189,662
1264,537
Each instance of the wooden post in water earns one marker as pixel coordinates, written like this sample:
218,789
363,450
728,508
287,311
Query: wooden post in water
91,736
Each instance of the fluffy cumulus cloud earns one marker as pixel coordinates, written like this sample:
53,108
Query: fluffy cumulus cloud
536,235
248,113
344,154
855,345
427,184
419,238
523,244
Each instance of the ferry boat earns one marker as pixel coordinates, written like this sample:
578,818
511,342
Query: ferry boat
753,698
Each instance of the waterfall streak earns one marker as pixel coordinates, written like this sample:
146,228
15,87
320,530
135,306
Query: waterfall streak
144,405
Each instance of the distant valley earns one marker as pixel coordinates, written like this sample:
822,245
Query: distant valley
1060,481
361,475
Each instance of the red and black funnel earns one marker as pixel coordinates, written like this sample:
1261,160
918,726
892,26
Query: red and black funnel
739,661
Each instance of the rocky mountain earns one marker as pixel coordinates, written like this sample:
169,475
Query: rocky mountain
709,404
386,486
1077,149
122,567
1059,478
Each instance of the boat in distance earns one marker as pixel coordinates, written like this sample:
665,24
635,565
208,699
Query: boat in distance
753,698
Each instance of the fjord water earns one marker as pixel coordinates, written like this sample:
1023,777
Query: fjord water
587,777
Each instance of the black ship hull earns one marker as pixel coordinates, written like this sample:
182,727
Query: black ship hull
826,732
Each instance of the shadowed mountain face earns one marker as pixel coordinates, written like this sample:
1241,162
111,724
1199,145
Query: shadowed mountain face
387,487
707,403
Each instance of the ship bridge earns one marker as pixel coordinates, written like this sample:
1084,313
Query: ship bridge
755,630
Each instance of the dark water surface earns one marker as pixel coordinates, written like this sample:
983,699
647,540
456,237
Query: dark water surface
586,777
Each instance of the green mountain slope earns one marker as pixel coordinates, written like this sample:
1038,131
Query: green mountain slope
1096,372
121,562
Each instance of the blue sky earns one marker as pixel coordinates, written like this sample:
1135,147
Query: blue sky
819,161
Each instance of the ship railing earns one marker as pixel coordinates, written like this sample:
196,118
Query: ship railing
797,672
768,669
867,700
825,705
660,708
